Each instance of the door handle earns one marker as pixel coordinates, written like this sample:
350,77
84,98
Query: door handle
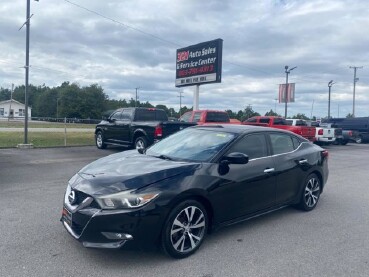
268,170
304,161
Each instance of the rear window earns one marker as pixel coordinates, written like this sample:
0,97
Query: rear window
252,119
150,115
217,117
196,117
280,121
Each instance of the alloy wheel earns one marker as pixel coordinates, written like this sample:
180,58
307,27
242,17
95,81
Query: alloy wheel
312,192
188,229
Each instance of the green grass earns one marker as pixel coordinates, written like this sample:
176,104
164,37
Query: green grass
20,124
46,139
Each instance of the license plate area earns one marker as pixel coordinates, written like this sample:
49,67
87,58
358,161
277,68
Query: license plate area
67,216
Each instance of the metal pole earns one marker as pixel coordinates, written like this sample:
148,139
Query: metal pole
27,72
11,100
355,80
136,98
180,103
285,94
196,98
330,83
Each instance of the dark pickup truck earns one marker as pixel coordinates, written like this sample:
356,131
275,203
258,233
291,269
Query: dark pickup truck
136,127
354,128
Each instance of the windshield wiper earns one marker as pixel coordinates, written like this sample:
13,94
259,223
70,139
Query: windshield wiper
164,157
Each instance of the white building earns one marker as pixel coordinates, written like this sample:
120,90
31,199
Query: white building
13,109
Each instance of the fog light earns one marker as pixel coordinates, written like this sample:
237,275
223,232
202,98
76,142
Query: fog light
117,236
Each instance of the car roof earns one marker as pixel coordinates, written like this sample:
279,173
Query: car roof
238,129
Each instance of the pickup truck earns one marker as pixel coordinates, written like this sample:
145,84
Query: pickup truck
324,134
208,116
359,127
281,123
136,127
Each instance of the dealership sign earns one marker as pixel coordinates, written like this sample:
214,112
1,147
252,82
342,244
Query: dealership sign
199,64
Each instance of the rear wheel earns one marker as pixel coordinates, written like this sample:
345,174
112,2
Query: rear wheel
100,143
343,142
140,143
359,139
311,193
185,229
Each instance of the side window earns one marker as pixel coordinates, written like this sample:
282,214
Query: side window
127,115
252,145
116,115
196,117
296,142
252,119
264,120
281,143
186,117
280,121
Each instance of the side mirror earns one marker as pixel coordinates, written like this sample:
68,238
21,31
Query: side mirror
236,158
112,120
232,158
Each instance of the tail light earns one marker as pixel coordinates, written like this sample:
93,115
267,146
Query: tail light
320,132
325,154
158,131
350,133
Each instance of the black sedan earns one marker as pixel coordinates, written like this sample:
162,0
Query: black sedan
190,183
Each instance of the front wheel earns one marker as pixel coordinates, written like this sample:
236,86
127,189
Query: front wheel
311,193
185,229
100,143
359,139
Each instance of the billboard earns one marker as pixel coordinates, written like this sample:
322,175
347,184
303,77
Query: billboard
199,64
290,93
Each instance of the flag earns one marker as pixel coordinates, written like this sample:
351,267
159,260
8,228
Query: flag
290,93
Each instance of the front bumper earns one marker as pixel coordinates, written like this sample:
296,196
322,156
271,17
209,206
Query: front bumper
98,228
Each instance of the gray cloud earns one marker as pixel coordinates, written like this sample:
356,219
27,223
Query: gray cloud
321,38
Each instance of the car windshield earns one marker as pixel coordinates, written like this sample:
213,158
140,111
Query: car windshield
192,144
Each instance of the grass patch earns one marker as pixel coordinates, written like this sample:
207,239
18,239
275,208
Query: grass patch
20,124
46,139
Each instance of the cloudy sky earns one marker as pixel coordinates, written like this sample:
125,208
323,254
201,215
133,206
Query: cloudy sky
124,44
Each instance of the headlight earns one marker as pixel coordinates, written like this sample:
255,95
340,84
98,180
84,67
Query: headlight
125,200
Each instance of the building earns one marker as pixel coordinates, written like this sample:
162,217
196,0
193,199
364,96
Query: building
13,109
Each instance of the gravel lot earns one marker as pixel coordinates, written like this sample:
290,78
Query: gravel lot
332,240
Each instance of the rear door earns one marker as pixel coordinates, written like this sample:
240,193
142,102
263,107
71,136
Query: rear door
291,164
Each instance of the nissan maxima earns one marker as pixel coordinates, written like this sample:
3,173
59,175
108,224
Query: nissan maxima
195,181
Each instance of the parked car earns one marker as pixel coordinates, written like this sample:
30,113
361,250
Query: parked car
136,127
208,116
192,182
281,123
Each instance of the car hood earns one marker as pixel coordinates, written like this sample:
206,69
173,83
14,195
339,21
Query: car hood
126,171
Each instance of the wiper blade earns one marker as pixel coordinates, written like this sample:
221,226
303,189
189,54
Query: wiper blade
164,157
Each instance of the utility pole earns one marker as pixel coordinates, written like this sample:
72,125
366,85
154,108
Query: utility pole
330,83
355,80
136,96
287,71
11,100
180,102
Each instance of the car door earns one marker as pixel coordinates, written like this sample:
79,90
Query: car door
110,127
290,165
249,187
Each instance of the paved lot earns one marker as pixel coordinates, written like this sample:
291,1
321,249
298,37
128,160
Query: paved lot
333,240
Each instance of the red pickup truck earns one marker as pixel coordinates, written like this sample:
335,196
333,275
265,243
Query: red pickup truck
207,116
280,123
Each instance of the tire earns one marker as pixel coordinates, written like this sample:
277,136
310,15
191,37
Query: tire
359,139
310,193
99,139
185,229
343,142
140,143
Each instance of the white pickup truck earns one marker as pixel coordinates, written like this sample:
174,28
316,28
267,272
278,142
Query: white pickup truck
323,135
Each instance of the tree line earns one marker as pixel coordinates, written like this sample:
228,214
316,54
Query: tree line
71,100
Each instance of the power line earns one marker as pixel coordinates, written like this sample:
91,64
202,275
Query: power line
121,23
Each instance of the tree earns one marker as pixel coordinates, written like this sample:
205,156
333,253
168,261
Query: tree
300,116
349,115
249,112
271,113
